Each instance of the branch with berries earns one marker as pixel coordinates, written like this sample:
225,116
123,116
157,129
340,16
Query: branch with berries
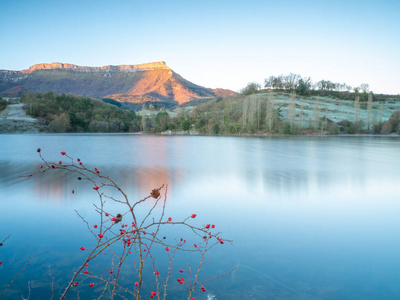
129,235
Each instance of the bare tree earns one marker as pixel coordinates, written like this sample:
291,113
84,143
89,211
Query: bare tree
357,109
292,110
144,118
245,111
301,116
369,110
364,87
270,112
316,113
380,113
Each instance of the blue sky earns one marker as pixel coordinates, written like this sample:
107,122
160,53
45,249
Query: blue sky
212,43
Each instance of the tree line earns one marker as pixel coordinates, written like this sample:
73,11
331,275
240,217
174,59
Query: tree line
303,85
70,113
256,114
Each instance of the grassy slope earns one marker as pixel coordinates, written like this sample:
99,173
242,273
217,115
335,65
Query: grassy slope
329,107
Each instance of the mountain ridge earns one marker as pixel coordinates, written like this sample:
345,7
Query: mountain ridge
58,65
148,82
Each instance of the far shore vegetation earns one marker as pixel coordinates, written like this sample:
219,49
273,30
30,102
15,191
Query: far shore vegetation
288,105
3,104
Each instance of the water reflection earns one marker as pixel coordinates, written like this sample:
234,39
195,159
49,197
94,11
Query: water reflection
310,217
57,186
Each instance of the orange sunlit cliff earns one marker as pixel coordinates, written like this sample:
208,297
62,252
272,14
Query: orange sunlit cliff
125,83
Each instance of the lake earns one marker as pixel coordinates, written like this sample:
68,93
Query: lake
310,217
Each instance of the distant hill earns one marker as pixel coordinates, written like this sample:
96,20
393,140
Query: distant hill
151,82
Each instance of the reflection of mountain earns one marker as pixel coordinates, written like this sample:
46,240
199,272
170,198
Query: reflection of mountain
136,182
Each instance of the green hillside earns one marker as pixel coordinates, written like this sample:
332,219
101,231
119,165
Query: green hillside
70,113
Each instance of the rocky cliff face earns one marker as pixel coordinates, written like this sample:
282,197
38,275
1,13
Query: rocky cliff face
125,83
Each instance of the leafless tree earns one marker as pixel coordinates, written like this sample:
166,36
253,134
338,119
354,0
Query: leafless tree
270,112
357,109
316,113
292,110
369,110
144,118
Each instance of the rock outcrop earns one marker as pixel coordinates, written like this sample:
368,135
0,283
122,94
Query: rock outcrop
126,83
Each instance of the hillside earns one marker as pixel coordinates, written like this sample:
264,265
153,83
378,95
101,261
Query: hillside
285,113
264,113
152,82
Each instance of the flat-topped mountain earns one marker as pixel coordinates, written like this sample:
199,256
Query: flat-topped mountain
154,82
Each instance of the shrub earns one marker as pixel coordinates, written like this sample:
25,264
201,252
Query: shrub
126,232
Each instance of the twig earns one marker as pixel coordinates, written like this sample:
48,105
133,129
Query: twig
1,244
12,281
52,284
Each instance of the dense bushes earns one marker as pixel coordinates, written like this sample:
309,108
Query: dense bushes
3,104
69,113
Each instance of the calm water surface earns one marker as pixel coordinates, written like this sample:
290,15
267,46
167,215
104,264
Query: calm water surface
311,217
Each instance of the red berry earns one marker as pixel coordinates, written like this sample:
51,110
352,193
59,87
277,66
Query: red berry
144,250
76,283
154,293
193,298
113,219
63,153
157,273
166,249
96,187
208,226
111,271
95,226
133,224
38,150
184,241
1,262
151,296
82,248
78,159
41,166
87,265
100,235
181,271
60,162
106,214
193,216
183,279
212,226
144,232
136,283
53,166
195,245
91,284
86,271
180,282
170,219
97,172
80,163
178,279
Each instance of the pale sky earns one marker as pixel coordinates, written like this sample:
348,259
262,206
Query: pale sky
223,44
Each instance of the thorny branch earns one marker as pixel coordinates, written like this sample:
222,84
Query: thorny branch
133,238
16,276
